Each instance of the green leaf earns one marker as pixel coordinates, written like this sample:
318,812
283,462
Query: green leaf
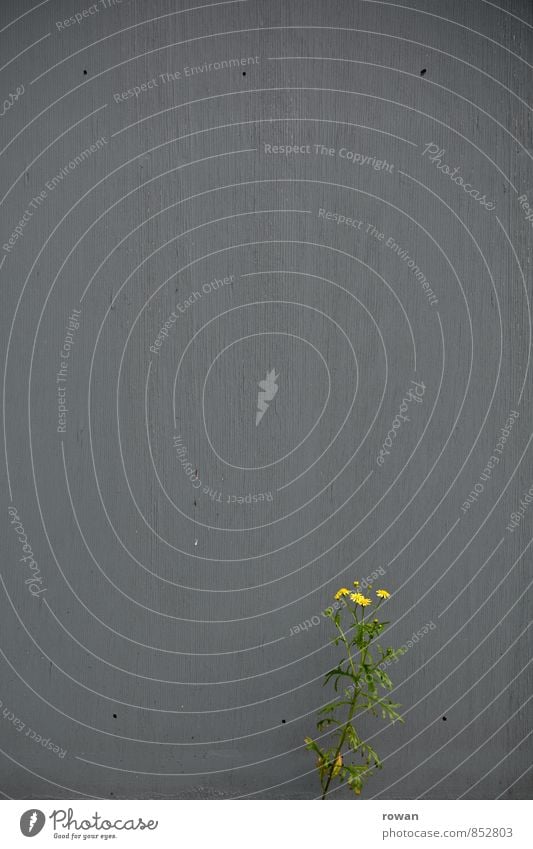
355,783
373,756
325,723
337,673
329,708
383,678
311,746
355,769
353,738
388,710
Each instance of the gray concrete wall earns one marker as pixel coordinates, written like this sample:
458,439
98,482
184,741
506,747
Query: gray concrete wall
193,198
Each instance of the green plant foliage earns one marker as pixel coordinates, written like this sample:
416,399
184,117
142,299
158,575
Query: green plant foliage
359,681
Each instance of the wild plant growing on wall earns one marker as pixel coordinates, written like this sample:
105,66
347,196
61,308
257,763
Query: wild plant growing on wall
361,678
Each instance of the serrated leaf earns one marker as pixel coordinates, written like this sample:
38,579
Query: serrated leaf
353,738
328,708
325,723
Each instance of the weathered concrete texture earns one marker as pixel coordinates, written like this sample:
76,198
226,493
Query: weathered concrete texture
317,211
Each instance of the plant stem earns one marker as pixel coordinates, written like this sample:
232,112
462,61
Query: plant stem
353,704
341,741
350,715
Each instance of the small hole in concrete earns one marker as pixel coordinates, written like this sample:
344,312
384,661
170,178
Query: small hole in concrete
423,71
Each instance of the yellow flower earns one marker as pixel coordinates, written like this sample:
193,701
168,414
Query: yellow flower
359,598
382,594
356,583
340,593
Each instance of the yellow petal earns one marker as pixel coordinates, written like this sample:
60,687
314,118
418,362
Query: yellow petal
338,764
